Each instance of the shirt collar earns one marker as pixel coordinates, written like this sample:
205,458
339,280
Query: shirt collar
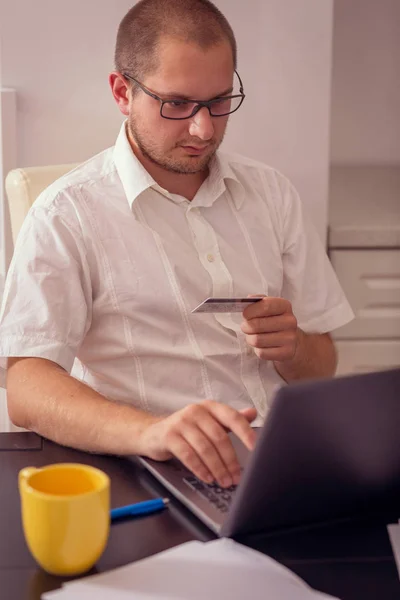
135,179
223,177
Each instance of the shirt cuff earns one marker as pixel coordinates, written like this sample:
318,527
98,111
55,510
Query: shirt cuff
34,347
334,318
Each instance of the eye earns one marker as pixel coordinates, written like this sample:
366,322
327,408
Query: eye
221,100
177,103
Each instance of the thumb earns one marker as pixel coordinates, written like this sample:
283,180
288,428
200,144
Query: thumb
249,413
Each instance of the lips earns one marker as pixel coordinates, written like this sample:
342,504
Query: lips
195,149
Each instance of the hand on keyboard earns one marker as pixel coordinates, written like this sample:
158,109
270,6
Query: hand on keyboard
198,436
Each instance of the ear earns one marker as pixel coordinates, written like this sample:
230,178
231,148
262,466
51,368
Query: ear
121,91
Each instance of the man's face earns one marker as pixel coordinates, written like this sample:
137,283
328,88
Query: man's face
184,71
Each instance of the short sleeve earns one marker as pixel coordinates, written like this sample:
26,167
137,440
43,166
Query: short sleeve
309,281
46,308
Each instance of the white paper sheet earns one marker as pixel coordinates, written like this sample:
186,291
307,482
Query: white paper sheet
394,535
218,570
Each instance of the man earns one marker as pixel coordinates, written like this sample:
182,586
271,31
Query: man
103,351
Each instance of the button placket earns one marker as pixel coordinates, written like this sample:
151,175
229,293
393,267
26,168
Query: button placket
251,376
207,247
208,251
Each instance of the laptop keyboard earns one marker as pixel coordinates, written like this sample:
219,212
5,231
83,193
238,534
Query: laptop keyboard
218,496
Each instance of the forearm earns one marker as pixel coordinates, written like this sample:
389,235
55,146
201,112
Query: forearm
315,356
44,398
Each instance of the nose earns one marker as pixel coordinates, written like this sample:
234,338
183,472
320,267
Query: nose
201,125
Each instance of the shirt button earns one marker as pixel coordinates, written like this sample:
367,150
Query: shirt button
210,257
249,350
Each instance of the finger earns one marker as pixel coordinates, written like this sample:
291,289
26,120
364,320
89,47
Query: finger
272,340
269,324
234,421
249,413
223,444
267,306
184,452
275,354
214,447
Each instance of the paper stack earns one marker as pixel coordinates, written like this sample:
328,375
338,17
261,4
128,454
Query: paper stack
217,570
394,535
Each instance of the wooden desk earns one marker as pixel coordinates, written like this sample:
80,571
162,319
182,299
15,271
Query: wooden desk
352,560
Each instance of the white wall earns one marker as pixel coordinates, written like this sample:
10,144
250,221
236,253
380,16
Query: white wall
8,161
57,56
366,82
285,60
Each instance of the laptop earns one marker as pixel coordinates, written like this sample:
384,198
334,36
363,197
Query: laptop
329,449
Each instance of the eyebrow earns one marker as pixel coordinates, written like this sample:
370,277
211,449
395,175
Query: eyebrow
179,96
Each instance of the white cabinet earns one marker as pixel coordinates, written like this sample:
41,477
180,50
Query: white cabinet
364,248
367,355
371,280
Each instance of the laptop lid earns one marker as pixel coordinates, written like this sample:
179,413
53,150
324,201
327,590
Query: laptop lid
329,449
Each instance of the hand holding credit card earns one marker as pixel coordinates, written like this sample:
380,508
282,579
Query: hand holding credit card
225,305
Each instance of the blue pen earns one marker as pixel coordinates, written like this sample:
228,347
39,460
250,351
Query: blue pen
139,508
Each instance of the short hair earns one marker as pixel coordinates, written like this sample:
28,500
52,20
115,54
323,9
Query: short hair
197,21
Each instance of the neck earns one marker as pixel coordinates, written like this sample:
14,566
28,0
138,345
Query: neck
186,185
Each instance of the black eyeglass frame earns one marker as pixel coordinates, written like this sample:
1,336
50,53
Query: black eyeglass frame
199,104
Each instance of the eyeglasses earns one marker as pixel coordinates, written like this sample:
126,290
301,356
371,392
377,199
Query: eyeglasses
178,109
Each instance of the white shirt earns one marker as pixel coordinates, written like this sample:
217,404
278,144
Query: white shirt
108,267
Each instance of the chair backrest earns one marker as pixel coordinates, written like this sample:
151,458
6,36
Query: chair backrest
23,186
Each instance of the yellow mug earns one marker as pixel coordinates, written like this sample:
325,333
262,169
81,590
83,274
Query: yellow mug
65,515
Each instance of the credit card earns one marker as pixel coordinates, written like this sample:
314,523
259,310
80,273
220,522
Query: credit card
224,305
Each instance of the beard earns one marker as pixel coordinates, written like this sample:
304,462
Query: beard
167,160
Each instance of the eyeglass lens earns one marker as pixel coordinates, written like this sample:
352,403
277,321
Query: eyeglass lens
181,110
